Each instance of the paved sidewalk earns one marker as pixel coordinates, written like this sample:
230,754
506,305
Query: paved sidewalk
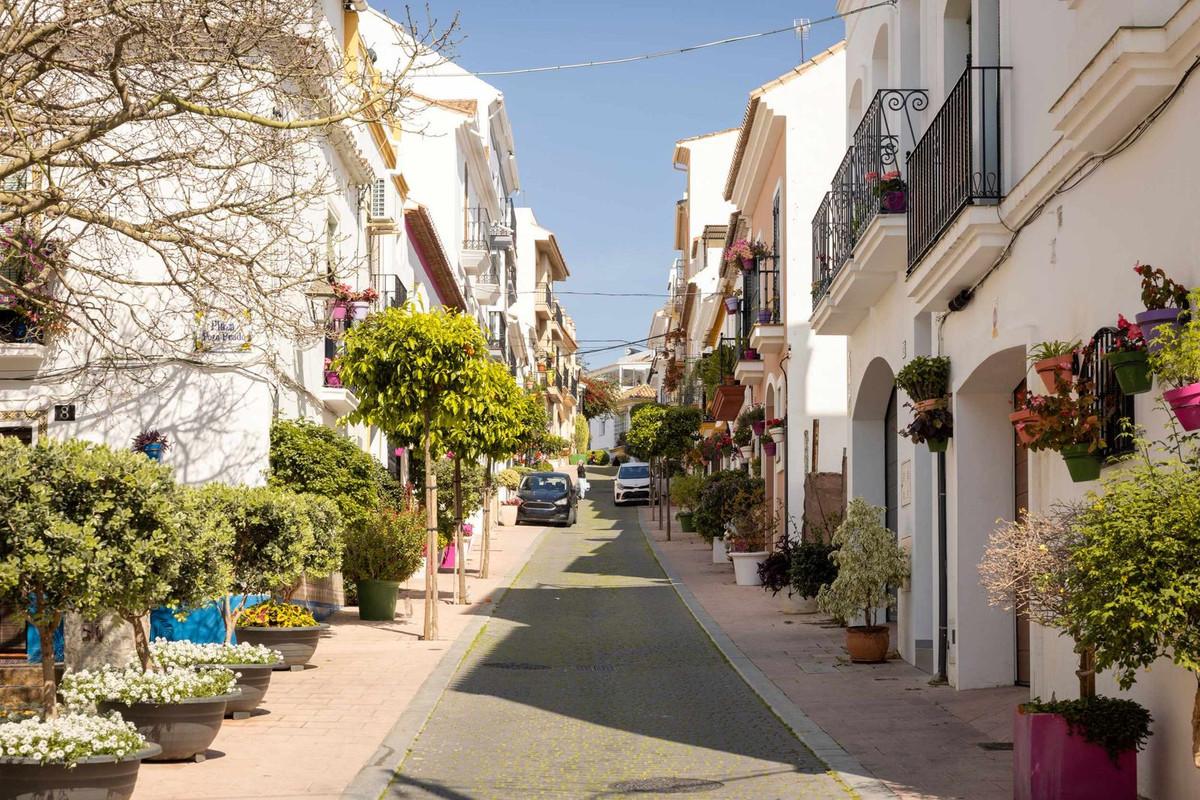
919,740
317,728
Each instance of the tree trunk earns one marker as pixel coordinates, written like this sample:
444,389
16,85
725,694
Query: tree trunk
431,542
658,490
49,683
227,617
460,559
1086,672
141,642
485,557
668,496
1196,725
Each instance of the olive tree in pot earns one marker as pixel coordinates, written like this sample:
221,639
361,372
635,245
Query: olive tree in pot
1077,749
380,556
868,561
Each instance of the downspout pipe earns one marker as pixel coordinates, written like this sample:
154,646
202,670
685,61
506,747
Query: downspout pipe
943,575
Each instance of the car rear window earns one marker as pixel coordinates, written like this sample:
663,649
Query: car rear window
544,483
634,471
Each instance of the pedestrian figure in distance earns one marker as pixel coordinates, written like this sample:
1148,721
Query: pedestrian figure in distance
583,481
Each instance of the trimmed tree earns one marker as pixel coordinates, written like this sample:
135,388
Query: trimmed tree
413,372
676,435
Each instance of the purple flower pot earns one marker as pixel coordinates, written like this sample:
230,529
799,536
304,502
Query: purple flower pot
768,447
337,311
748,264
1051,763
1185,402
749,354
764,317
894,202
758,427
1150,320
332,379
731,305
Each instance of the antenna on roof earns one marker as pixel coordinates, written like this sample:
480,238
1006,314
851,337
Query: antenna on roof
802,27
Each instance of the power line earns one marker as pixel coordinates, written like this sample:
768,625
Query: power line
673,52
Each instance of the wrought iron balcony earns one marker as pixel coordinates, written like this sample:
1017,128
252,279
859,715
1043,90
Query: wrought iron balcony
392,292
869,181
957,162
477,235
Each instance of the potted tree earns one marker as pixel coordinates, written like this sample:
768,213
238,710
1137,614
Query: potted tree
869,561
749,532
1176,361
685,493
1072,749
1054,362
380,556
1129,359
718,506
1165,301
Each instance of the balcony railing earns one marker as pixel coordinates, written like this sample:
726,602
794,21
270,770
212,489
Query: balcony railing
491,273
558,315
15,329
392,292
888,129
478,233
760,296
958,160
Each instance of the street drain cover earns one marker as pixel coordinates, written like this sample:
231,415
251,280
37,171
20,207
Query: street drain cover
513,665
664,785
996,745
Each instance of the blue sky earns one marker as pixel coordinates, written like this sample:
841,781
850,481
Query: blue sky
594,145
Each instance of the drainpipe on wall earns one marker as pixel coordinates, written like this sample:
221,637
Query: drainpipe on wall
943,580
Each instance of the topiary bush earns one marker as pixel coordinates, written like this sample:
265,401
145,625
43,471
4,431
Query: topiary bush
388,548
509,478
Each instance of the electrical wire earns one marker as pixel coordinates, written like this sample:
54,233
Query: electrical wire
664,53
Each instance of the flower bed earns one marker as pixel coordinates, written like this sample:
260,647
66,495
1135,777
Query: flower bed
70,738
83,689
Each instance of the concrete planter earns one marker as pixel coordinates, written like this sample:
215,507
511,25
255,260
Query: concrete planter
745,567
719,554
254,680
1051,763
508,516
95,778
183,730
296,644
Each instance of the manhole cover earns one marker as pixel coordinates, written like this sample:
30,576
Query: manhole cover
665,785
513,665
996,745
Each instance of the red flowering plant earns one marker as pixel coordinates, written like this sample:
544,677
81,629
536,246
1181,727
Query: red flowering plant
28,262
1129,338
775,422
1159,291
1068,417
343,293
889,182
743,252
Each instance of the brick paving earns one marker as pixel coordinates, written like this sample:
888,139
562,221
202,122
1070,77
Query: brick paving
318,727
921,741
592,675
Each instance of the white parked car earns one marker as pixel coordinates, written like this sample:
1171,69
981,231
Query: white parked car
632,483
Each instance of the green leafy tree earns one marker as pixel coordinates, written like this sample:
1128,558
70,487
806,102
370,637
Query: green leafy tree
722,500
206,563
323,556
641,440
583,434
868,560
677,433
534,423
413,372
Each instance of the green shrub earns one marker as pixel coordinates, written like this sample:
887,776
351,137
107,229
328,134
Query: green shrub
545,466
1175,358
925,378
868,560
598,457
722,498
685,490
388,548
509,478
1116,725
306,457
812,568
323,556
274,614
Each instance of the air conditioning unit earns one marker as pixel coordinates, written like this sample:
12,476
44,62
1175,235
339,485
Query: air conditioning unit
379,213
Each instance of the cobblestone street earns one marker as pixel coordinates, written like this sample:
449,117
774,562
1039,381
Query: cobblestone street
593,680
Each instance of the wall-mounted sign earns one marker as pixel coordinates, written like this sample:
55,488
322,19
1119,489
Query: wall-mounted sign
906,483
222,332
64,413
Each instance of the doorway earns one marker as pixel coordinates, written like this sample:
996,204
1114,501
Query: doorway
1020,507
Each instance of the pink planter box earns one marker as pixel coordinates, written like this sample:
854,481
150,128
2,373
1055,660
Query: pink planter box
1050,763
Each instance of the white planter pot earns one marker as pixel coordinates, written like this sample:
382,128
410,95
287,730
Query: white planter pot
776,435
801,605
719,554
359,310
508,516
747,452
745,567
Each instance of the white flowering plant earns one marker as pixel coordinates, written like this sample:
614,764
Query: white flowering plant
69,738
190,654
81,690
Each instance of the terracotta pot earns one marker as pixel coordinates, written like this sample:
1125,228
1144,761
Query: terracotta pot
867,645
1020,419
1185,403
1061,366
930,405
1051,763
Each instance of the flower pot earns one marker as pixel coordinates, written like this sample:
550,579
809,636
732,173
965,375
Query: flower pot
747,452
937,445
719,552
253,680
867,645
1050,369
748,264
1051,763
776,435
359,310
1132,369
153,451
1020,421
98,777
296,644
183,730
745,567
685,522
1083,465
731,305
758,427
1185,403
1150,321
929,405
508,516
332,379
894,202
769,447
749,354
377,600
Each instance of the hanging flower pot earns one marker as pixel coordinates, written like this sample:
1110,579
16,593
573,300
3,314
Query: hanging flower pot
1053,369
769,448
747,451
359,310
747,263
1081,462
937,445
758,427
731,304
1185,403
764,316
337,311
1132,369
777,433
1150,321
1021,419
929,405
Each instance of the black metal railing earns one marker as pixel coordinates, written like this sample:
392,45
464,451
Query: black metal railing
1113,407
392,292
958,161
768,311
477,235
491,272
857,192
749,303
15,329
510,279
558,315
